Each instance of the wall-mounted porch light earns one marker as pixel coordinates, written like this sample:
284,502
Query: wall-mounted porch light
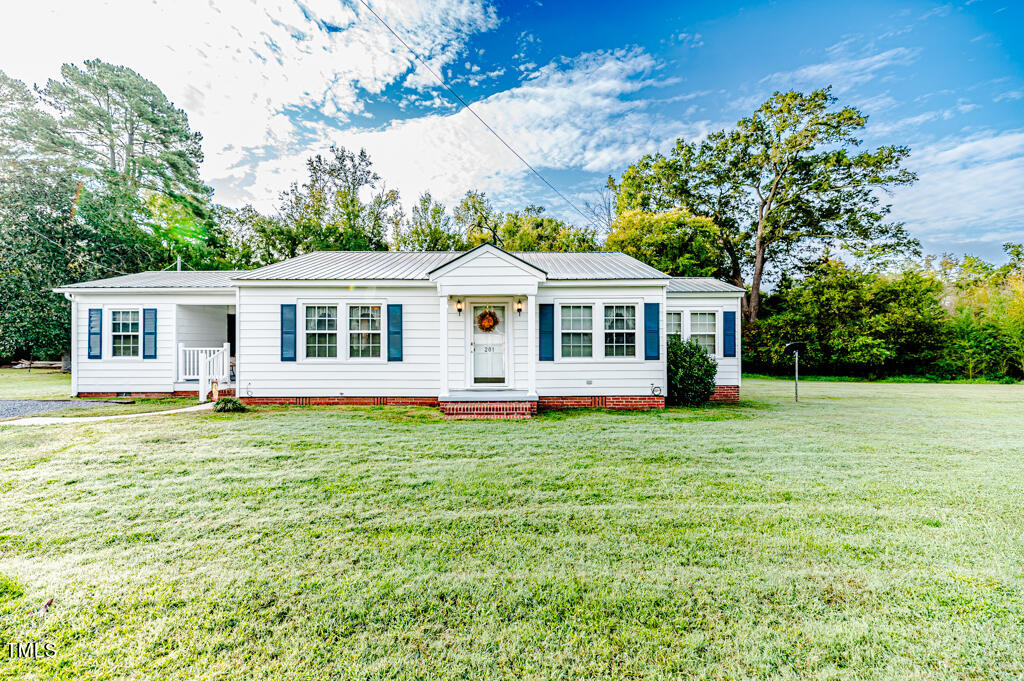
519,306
458,306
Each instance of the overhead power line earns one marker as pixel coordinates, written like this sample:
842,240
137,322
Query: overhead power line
88,260
468,108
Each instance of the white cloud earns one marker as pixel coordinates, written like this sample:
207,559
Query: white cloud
574,114
843,73
971,189
237,65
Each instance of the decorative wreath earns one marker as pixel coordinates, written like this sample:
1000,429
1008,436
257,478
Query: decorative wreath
487,321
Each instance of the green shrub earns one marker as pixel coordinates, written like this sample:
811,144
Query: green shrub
229,404
691,373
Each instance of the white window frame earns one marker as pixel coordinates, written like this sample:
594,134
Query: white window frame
303,305
595,310
682,323
718,326
638,312
109,327
383,357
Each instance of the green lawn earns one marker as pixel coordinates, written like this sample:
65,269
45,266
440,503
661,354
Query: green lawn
34,384
872,531
43,384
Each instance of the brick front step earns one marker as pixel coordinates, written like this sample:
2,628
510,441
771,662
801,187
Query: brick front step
520,409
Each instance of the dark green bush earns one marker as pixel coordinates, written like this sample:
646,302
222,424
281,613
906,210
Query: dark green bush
229,404
691,373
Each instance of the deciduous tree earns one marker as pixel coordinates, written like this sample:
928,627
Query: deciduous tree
789,177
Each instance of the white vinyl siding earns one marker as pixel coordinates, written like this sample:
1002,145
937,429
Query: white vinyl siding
599,374
263,374
111,374
686,305
203,326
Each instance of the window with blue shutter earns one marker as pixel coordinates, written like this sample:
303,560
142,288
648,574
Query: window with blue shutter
95,333
149,333
728,334
547,332
652,330
287,333
394,333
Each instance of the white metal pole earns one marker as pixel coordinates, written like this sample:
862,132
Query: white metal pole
796,375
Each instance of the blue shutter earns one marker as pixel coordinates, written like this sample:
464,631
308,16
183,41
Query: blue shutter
652,330
394,333
729,334
149,333
95,334
287,333
547,332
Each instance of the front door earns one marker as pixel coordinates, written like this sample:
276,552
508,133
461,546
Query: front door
488,345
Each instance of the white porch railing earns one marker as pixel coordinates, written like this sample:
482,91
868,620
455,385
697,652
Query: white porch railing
189,360
205,365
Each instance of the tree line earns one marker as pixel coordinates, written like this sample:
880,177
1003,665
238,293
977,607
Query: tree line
99,175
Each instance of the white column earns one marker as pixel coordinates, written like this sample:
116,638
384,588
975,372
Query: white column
531,330
204,378
443,320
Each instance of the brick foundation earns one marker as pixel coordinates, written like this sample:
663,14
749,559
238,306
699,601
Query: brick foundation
726,393
522,409
193,394
604,402
342,400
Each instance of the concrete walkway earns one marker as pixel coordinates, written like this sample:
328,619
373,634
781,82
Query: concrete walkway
56,420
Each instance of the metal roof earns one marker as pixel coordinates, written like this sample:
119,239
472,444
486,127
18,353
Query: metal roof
357,265
163,279
701,285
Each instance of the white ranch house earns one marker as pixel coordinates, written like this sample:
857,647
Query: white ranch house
479,333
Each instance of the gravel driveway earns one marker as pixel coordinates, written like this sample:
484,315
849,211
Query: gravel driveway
10,409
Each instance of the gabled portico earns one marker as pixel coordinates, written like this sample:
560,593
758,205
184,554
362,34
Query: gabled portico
487,303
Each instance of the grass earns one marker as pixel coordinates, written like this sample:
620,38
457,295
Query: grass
91,408
34,384
44,384
888,379
871,531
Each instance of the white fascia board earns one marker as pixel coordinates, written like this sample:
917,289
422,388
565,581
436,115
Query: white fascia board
136,291
608,283
706,294
331,283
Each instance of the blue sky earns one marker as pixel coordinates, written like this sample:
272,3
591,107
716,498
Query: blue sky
581,89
